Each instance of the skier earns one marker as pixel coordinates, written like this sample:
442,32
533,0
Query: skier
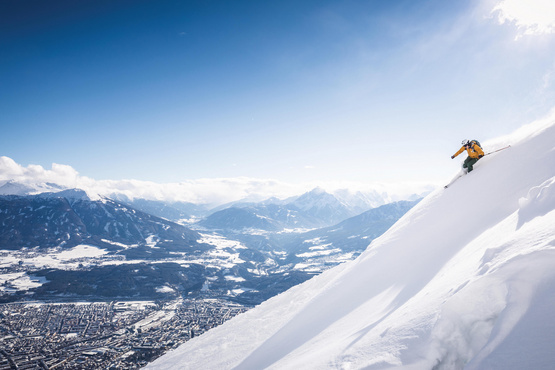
474,151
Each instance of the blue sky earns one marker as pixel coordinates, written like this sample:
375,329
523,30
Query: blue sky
296,91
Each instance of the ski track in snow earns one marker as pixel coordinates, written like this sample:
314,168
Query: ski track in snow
466,279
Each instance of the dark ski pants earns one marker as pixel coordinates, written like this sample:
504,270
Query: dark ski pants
469,162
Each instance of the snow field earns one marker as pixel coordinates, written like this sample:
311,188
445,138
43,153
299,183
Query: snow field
466,279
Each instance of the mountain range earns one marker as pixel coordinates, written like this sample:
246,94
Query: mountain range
314,209
248,252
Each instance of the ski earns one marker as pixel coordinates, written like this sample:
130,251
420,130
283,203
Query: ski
459,175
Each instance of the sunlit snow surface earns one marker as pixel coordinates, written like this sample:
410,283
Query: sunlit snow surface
466,279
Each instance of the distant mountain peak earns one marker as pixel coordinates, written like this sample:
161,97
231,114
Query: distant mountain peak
46,190
318,191
69,194
14,187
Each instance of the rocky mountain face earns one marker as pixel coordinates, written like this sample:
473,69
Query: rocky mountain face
69,218
260,218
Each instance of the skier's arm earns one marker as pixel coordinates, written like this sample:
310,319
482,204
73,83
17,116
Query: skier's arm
459,152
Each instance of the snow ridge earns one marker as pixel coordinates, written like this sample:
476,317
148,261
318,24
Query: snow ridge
465,280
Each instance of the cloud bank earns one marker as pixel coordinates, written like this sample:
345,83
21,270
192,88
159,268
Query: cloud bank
212,192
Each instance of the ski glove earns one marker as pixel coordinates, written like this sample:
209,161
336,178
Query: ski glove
452,157
480,156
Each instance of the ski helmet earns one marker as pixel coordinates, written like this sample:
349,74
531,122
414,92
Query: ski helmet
465,142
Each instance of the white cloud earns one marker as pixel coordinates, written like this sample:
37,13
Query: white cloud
9,169
532,17
214,191
210,191
59,174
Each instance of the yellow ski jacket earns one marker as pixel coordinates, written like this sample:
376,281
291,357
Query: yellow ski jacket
474,151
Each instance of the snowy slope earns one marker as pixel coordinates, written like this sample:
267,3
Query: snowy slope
466,279
13,187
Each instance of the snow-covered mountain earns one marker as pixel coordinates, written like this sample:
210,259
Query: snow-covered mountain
324,206
314,209
359,201
12,187
69,217
466,279
240,219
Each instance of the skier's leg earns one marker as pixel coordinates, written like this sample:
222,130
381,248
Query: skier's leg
470,162
465,165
